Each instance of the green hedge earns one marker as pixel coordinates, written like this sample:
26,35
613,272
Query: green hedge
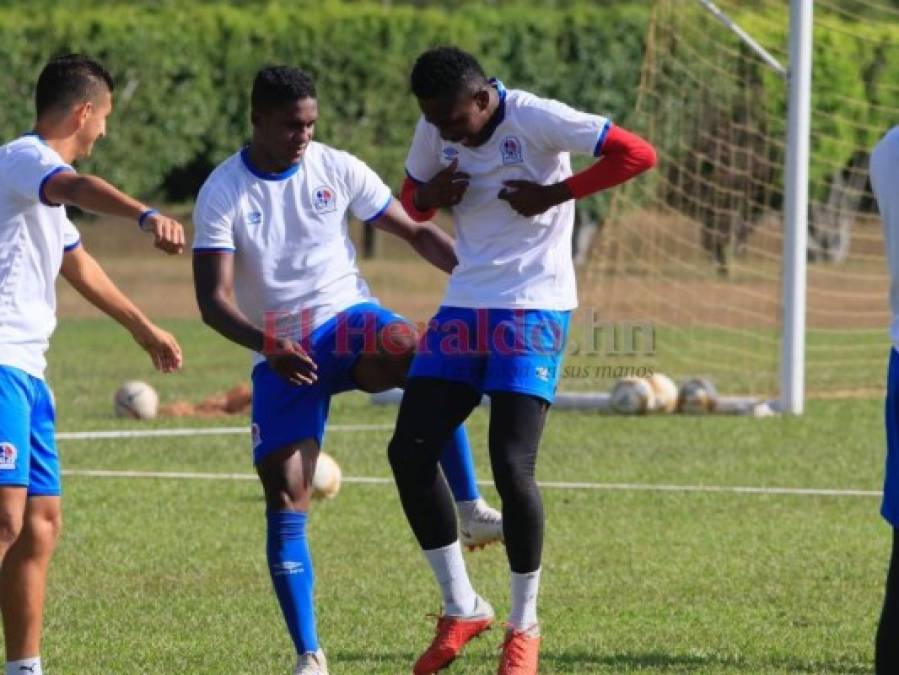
184,73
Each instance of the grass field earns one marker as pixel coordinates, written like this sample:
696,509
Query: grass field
168,575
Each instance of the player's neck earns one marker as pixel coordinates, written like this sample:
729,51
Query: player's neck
63,143
493,110
264,162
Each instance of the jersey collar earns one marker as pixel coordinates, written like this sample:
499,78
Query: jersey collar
266,175
500,113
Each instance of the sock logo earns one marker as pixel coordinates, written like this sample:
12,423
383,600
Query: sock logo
287,567
29,669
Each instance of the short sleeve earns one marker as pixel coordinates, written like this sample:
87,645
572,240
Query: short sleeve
213,217
29,167
423,160
561,128
71,238
369,197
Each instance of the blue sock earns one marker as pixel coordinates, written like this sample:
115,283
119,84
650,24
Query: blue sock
290,566
458,467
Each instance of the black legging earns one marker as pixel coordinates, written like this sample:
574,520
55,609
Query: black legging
431,409
887,647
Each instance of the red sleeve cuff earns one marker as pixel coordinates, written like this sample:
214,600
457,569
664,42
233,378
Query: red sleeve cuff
623,156
407,199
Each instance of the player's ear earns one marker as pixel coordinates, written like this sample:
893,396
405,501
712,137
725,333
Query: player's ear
482,98
81,112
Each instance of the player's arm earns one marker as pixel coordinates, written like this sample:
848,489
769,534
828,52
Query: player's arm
432,243
86,276
623,155
94,194
214,287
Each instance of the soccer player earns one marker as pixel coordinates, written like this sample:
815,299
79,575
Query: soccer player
73,98
275,271
884,175
500,160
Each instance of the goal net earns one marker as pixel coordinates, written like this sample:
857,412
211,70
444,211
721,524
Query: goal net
695,250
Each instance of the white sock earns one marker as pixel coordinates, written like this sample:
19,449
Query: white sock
523,614
29,666
459,598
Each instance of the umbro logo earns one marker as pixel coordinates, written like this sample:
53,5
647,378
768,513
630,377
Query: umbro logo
254,217
287,567
27,669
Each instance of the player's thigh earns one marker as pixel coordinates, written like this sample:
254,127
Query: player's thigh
387,365
432,408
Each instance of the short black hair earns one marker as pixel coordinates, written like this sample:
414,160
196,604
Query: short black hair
445,72
68,80
277,85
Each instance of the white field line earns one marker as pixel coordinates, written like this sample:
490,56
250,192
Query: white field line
630,487
198,431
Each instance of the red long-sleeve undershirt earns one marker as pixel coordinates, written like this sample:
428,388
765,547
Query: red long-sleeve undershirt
623,156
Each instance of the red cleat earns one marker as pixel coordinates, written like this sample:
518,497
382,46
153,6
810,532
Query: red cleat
452,634
521,652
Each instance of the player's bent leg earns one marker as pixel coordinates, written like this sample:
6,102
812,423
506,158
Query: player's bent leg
887,646
286,476
23,578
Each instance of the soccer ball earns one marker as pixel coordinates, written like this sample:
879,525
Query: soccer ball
665,393
326,479
632,396
697,395
137,400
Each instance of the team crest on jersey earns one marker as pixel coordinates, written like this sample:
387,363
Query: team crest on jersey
510,149
324,199
7,457
450,153
254,217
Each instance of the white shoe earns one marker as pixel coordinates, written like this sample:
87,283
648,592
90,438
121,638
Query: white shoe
479,524
311,663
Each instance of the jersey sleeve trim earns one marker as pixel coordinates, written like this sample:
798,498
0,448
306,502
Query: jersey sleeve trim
47,176
381,210
601,139
71,247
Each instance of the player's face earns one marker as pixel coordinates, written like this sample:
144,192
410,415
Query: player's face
460,120
284,132
93,123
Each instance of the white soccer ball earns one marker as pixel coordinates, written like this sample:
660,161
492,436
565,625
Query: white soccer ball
632,396
665,393
326,479
697,395
137,400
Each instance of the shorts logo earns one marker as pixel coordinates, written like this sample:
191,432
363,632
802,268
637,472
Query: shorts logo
510,149
7,457
450,153
324,200
256,435
542,373
254,217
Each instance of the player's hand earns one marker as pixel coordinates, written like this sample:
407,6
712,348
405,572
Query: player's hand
444,190
531,199
289,360
162,347
167,232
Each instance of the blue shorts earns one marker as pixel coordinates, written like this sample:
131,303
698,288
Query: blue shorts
284,413
890,506
516,350
28,456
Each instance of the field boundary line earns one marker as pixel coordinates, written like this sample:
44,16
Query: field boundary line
195,431
558,485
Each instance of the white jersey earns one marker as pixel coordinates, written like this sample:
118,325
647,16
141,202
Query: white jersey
884,170
33,237
507,260
293,257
